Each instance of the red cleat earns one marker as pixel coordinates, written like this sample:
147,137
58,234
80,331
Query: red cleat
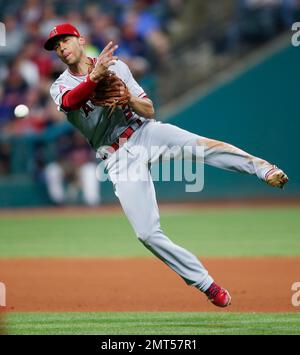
276,177
218,295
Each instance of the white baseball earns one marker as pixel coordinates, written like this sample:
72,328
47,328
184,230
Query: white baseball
21,111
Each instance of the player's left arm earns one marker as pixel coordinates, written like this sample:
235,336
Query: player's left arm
142,106
139,101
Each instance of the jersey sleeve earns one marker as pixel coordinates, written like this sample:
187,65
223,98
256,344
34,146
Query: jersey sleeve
134,88
57,90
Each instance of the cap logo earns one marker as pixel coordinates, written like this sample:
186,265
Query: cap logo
53,32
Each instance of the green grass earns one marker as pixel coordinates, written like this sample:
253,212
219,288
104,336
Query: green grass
153,323
212,232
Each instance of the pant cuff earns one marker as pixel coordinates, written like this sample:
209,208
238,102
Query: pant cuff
205,284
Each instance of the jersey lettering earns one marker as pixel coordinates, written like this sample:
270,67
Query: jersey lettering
127,111
87,109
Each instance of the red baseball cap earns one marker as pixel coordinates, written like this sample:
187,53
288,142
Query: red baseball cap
60,30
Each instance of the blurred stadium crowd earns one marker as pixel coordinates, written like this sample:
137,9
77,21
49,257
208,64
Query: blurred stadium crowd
147,31
27,70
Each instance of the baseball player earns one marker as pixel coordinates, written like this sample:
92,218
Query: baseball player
115,130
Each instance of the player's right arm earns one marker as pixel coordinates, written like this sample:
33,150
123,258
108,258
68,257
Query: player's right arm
69,99
105,59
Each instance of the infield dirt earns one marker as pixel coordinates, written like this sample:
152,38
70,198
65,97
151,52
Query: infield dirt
144,284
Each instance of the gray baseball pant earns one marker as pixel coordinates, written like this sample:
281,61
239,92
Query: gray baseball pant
137,196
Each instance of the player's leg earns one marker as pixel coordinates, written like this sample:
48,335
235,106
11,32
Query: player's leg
216,153
138,201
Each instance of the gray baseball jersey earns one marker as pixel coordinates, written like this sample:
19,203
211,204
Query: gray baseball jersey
93,121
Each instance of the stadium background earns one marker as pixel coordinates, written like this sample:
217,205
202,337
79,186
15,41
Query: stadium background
223,69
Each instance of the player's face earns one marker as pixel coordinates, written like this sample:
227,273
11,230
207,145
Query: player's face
69,49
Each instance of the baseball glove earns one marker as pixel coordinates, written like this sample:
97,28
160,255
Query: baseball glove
110,92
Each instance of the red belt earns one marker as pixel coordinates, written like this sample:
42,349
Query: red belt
122,139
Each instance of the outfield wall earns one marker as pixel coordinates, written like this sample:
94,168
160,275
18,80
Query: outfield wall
258,111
